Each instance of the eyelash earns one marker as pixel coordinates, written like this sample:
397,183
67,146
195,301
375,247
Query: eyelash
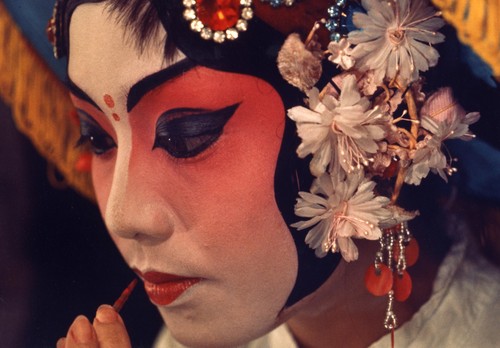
185,133
92,135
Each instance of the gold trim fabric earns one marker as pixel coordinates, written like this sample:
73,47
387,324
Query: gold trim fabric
40,105
478,25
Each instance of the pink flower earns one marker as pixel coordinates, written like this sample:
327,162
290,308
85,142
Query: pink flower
341,208
395,39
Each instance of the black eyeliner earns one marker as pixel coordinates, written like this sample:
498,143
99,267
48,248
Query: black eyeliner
197,122
186,132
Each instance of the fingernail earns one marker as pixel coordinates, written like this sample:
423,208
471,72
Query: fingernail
106,314
81,330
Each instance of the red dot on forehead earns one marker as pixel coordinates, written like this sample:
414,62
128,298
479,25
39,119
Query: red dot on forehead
109,101
116,117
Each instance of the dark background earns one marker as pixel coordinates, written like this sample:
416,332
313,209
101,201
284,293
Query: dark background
56,258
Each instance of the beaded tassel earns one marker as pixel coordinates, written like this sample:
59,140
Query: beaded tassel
388,275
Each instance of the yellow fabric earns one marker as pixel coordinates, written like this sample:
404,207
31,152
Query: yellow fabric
477,24
40,104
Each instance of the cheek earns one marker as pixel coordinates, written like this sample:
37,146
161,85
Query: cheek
102,178
232,180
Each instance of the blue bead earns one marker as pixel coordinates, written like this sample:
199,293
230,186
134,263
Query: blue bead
276,3
332,25
335,37
334,12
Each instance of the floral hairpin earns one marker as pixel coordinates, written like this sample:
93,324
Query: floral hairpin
371,123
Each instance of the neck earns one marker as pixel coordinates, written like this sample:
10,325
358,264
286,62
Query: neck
343,311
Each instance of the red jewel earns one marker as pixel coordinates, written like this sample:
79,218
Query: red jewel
391,170
116,117
218,14
402,286
412,252
378,282
84,162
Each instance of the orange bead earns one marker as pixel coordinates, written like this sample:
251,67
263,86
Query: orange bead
218,14
402,286
378,282
412,252
84,163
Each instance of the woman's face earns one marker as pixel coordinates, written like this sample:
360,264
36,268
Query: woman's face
184,179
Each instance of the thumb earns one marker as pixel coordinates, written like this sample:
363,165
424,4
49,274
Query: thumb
110,329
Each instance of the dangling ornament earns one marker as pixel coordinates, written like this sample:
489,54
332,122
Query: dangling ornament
388,275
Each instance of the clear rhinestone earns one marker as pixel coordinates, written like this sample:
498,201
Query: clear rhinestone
232,34
197,25
189,14
242,25
206,33
189,3
247,13
246,3
219,36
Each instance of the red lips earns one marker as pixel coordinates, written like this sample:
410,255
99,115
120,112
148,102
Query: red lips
163,288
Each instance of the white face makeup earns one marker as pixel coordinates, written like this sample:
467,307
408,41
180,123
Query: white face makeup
207,214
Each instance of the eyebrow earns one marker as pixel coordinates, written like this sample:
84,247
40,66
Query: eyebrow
150,82
141,88
77,91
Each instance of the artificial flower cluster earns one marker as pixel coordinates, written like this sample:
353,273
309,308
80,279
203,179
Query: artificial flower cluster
372,122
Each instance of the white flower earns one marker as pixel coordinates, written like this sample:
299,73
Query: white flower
395,38
398,216
340,54
341,209
298,65
340,131
444,119
314,128
427,156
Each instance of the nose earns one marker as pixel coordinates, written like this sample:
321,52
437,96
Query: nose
136,208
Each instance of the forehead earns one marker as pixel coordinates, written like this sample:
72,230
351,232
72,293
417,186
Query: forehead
103,57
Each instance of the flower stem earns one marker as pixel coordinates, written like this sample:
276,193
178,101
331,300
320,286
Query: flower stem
412,110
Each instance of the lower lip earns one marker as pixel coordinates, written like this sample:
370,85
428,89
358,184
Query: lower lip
165,293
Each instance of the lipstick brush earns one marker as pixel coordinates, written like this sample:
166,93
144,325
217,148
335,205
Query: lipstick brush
118,305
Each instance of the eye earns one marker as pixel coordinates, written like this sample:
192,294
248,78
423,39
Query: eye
92,134
185,132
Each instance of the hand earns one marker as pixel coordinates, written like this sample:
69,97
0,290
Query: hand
107,331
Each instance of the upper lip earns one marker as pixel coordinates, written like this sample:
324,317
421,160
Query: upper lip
159,277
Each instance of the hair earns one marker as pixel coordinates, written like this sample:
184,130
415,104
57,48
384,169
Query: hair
139,16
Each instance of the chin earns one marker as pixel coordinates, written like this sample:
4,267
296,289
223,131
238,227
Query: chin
218,333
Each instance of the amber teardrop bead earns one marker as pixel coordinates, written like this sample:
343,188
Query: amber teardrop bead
402,286
378,282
